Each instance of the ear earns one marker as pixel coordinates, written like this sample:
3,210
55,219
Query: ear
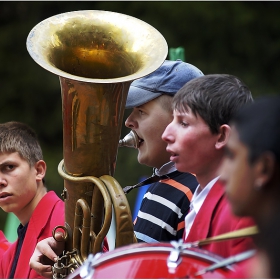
40,168
264,169
223,136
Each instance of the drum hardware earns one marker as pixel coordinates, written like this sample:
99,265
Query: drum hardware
244,232
86,270
164,260
150,261
228,261
175,258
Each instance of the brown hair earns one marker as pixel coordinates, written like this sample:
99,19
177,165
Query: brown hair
19,137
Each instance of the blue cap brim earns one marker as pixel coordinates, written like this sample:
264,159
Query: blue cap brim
138,96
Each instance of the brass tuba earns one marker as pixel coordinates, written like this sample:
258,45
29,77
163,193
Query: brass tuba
96,54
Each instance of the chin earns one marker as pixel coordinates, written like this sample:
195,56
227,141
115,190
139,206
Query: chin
180,167
142,161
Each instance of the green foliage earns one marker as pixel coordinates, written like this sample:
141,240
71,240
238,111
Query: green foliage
240,38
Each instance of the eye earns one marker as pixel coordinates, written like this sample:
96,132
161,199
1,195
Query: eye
184,124
140,112
9,167
182,121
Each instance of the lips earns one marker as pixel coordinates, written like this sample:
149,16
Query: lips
4,195
140,140
173,156
171,152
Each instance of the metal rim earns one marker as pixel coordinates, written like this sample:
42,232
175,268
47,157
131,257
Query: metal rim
156,57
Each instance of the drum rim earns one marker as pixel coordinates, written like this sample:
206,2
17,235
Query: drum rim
193,252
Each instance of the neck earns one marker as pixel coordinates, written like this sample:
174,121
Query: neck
205,180
208,173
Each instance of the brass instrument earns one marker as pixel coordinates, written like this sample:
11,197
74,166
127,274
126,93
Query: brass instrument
96,54
131,140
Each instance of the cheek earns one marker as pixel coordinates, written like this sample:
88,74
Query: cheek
239,189
153,134
28,182
196,149
187,142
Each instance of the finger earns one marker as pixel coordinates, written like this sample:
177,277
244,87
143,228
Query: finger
43,270
57,244
45,248
59,236
46,272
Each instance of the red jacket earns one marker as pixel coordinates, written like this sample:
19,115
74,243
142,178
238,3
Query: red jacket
214,218
4,244
243,270
48,214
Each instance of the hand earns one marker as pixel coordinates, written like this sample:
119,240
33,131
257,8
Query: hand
46,254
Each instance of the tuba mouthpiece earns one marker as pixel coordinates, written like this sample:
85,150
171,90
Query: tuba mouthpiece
131,140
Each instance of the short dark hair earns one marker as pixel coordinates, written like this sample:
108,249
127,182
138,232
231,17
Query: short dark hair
258,126
213,97
19,137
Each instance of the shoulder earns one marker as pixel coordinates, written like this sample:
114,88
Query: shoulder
225,218
221,209
49,211
51,196
183,177
187,180
50,201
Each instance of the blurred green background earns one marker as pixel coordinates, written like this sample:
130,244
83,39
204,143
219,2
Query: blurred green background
239,38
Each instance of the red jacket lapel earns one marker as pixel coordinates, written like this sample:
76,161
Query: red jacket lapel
202,223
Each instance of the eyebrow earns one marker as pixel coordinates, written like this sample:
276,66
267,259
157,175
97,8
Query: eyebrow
8,162
180,114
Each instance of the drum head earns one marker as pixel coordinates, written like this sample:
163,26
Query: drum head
155,261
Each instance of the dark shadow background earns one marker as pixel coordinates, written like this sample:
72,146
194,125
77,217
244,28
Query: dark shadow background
239,38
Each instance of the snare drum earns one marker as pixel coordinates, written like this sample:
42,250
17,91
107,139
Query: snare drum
156,260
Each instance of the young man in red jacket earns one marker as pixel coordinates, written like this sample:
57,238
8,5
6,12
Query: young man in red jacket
196,141
22,192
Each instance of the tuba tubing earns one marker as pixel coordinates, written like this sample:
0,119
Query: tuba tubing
96,55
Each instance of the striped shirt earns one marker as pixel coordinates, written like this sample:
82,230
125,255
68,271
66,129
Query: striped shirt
161,217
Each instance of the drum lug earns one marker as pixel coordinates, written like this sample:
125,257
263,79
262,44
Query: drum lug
87,269
174,258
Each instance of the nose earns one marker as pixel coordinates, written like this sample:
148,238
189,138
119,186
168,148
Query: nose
167,135
130,122
3,182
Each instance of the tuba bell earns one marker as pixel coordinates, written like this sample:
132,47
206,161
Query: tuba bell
96,55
